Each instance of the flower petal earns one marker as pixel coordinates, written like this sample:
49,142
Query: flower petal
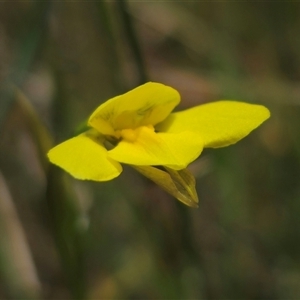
147,104
219,123
172,150
84,157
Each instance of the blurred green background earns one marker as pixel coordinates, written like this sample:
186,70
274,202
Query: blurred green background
127,239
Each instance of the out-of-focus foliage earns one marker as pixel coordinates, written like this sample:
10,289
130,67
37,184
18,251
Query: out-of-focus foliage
66,239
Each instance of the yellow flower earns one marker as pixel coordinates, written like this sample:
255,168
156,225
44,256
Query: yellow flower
138,128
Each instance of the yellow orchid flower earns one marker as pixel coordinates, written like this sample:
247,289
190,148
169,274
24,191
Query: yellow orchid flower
138,128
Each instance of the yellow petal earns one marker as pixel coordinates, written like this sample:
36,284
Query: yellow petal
147,104
149,148
180,184
219,123
84,157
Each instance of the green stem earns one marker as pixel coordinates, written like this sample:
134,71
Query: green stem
64,216
63,212
133,41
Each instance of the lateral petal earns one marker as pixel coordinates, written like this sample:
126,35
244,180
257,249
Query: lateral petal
175,150
85,157
218,123
147,104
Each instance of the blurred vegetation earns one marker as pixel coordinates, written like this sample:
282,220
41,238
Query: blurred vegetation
127,239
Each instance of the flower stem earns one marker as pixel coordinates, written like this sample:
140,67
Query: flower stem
133,41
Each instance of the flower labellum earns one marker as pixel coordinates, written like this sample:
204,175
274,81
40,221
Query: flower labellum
138,128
